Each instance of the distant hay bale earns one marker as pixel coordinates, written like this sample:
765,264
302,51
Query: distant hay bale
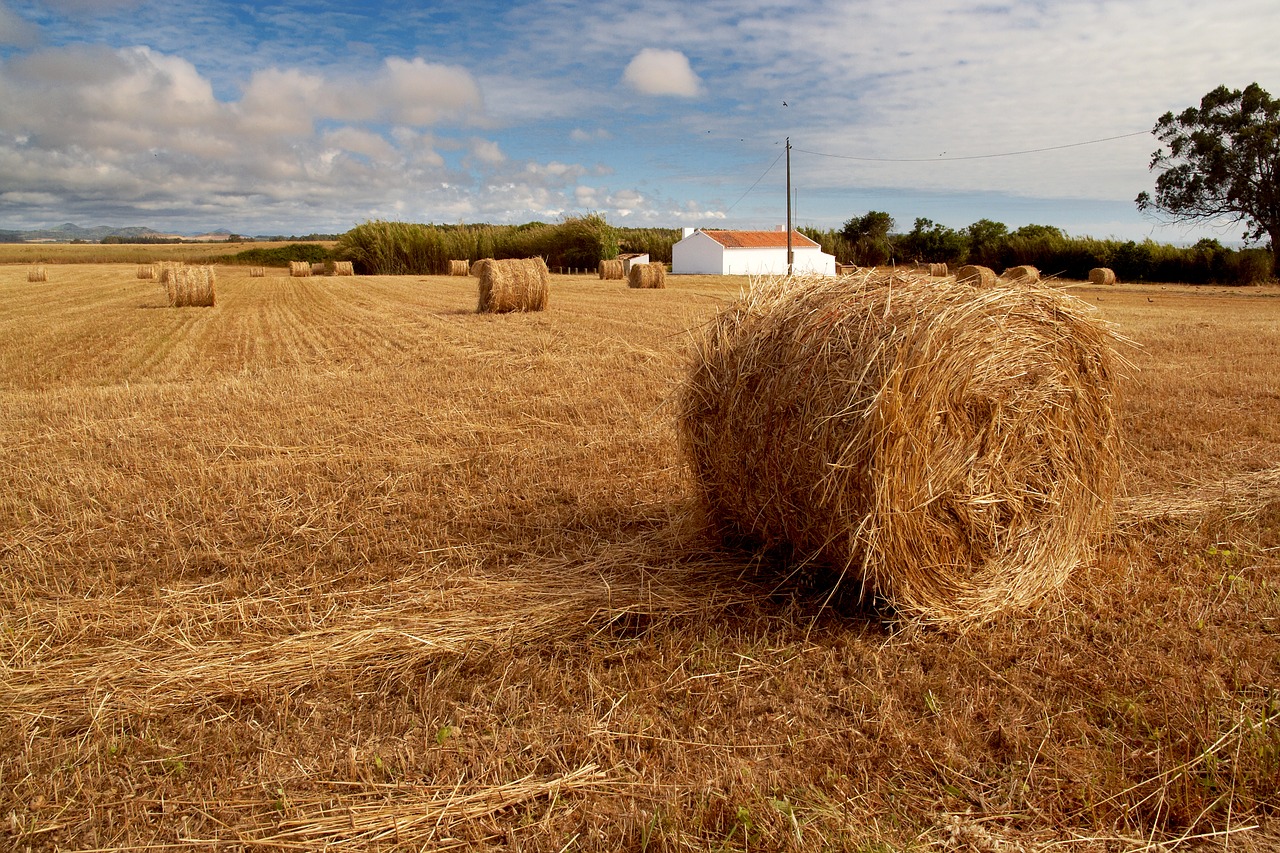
318,269
615,268
300,269
1102,275
257,272
191,286
939,270
977,276
459,268
652,276
954,450
147,272
344,268
37,274
1026,274
514,284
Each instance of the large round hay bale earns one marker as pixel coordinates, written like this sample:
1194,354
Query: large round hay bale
191,286
1102,275
516,284
939,270
954,450
977,276
301,269
652,275
479,265
459,267
1025,273
614,268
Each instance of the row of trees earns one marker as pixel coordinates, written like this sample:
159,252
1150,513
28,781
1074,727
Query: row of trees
402,248
870,240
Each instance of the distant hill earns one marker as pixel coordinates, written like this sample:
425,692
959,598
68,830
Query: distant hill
69,232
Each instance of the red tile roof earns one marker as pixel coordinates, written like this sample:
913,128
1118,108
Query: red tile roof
760,239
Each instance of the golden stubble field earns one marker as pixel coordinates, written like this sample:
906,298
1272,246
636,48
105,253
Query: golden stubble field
341,564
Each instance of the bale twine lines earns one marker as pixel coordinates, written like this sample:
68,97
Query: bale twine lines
1102,275
651,275
953,449
459,268
299,269
977,276
1024,273
515,284
615,268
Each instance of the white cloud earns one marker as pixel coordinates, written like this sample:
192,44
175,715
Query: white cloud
655,71
420,93
487,152
597,135
15,30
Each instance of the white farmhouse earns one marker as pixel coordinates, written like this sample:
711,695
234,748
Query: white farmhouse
707,252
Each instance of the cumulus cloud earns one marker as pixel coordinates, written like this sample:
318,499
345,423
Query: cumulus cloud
655,71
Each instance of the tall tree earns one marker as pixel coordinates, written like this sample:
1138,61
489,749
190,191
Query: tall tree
1223,160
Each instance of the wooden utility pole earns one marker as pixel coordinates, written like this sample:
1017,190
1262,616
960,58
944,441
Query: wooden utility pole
791,258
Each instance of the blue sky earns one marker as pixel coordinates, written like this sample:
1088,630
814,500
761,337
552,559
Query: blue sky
293,118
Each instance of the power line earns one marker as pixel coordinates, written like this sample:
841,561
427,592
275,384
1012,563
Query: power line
970,157
753,186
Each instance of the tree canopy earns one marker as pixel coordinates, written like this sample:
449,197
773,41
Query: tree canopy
1222,160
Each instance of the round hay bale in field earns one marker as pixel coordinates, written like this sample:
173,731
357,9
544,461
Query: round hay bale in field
344,268
146,272
954,450
257,272
1024,273
318,269
515,284
299,269
977,276
1102,275
192,286
37,274
939,270
459,268
651,275
615,268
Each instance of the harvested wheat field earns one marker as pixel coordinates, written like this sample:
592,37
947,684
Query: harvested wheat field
344,564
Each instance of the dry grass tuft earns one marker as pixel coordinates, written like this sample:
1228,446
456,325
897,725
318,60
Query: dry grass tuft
613,269
300,269
1025,273
1102,275
954,450
514,285
344,268
459,267
37,274
977,276
651,276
